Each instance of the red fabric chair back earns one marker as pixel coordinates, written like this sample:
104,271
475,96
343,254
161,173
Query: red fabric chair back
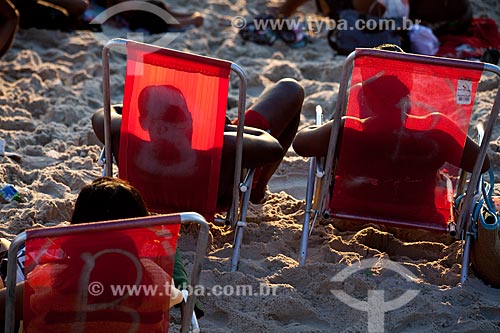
172,128
99,278
402,142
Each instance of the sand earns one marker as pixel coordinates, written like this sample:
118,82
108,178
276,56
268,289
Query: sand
51,85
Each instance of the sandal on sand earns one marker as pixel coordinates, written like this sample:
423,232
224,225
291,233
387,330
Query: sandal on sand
297,37
258,35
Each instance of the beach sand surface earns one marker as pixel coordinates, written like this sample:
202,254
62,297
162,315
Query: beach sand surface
51,85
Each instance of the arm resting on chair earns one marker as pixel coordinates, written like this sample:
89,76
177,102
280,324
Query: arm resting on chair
314,140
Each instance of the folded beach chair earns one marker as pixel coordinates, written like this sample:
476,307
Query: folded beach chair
112,276
174,113
399,132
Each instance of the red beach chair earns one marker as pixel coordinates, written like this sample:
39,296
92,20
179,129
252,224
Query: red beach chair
102,277
394,158
174,113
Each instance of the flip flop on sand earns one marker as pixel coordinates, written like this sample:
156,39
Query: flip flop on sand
264,36
296,37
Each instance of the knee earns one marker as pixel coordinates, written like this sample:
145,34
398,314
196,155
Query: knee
98,124
77,8
292,88
98,117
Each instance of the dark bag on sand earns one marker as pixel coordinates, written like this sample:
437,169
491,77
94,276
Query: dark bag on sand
443,16
347,37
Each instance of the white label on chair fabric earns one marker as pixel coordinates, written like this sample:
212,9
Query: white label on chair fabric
464,92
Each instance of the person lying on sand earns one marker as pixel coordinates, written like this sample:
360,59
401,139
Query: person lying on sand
270,126
153,22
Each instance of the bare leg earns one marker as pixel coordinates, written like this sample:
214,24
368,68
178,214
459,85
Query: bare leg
184,19
116,120
289,7
74,8
9,21
195,20
280,106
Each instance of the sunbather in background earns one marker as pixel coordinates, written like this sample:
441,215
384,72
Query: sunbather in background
442,15
44,14
71,14
270,126
144,19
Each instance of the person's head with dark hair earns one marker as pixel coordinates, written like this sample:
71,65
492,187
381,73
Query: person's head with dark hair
389,47
386,90
386,99
108,198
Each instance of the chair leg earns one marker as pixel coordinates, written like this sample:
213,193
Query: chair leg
102,162
308,211
466,258
246,187
195,327
303,241
236,247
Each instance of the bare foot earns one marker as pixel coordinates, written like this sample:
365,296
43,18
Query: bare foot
195,20
185,23
258,195
177,14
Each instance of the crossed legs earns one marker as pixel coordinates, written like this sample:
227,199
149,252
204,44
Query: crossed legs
280,106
